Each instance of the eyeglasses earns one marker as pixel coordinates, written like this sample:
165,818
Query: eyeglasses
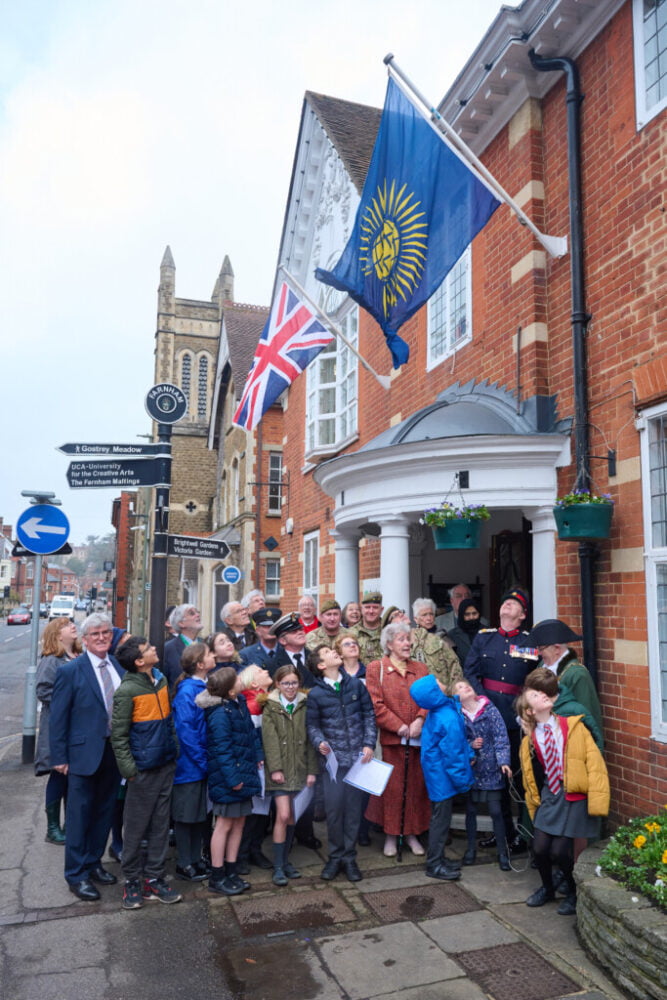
98,635
289,684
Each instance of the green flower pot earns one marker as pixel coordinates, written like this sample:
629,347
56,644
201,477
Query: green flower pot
582,521
457,534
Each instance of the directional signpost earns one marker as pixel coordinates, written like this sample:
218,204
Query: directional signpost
90,450
190,546
118,473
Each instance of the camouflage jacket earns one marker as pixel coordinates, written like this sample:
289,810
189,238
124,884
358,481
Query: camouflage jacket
369,642
441,660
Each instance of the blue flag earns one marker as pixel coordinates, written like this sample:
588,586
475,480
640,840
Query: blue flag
420,208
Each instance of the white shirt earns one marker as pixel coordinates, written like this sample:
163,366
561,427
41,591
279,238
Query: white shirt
111,670
557,734
332,681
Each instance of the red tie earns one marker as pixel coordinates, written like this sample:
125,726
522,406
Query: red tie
551,761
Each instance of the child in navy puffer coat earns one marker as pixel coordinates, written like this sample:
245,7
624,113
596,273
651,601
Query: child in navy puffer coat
234,756
487,735
446,762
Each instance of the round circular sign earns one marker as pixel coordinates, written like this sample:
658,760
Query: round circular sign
166,403
231,574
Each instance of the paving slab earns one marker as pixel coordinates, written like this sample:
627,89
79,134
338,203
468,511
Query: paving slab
369,963
253,970
395,879
490,885
449,989
467,932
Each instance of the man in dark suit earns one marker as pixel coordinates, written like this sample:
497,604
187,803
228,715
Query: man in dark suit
291,637
236,624
80,725
263,652
185,620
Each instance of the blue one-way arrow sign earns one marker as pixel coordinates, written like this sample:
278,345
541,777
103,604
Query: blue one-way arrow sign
42,529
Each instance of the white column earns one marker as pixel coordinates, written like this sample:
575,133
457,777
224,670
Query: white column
395,560
544,562
346,554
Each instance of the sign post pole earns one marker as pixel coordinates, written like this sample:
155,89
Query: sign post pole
160,559
41,529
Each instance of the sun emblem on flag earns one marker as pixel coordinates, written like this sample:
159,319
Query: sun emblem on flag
394,243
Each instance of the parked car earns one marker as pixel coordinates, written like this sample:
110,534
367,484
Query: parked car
19,616
81,606
44,610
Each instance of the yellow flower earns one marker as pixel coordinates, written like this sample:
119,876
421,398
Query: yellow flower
664,857
639,841
652,827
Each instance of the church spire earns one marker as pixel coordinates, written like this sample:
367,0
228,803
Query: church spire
224,285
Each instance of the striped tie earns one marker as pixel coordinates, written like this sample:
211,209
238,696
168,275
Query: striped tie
551,761
107,684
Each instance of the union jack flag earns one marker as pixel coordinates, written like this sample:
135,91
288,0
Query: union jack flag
291,339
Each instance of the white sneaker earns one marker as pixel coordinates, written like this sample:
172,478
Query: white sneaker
389,849
414,844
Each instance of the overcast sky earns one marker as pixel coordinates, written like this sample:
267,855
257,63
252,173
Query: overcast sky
127,125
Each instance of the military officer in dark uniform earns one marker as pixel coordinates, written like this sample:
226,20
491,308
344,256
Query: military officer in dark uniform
496,666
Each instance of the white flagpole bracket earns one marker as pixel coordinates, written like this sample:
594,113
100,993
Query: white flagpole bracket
556,246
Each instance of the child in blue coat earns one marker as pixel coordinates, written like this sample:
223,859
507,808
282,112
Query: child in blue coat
487,735
446,762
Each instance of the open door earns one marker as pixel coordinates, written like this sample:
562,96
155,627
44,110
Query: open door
510,565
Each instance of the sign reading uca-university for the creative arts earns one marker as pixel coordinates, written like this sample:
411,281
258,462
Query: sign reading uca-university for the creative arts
189,546
119,473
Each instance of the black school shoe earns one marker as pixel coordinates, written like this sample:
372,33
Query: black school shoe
443,872
190,874
541,896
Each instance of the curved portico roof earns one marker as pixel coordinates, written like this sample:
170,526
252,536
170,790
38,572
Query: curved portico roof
510,448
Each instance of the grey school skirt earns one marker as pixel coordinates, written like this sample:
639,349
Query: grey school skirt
189,802
560,818
232,810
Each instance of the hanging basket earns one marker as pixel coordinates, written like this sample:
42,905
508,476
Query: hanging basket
457,534
582,521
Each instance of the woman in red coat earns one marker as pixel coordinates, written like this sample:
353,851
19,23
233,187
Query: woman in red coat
399,718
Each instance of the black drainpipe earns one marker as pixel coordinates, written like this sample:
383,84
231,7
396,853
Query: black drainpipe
579,320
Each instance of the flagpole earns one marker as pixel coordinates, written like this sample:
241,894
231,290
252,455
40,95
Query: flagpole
384,380
554,245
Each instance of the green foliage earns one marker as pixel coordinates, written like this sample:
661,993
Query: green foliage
439,516
582,496
636,856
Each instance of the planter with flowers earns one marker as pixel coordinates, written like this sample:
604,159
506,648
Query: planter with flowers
622,906
582,515
456,527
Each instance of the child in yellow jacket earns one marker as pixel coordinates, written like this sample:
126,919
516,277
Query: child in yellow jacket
566,784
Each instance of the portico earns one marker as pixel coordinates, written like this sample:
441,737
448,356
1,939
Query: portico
386,485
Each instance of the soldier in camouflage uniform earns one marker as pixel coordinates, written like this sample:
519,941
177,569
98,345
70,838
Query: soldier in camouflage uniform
330,628
367,632
429,648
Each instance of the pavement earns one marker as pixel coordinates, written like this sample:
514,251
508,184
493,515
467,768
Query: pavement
397,935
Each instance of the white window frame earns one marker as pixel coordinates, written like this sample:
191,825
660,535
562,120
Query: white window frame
644,111
270,579
344,385
275,493
311,566
441,302
655,558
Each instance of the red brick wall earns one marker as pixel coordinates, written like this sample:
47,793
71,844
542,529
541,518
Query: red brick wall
623,178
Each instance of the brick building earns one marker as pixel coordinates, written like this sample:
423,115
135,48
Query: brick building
251,497
485,408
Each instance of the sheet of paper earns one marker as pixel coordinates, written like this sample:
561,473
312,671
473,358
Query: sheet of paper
332,765
261,803
371,777
301,801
